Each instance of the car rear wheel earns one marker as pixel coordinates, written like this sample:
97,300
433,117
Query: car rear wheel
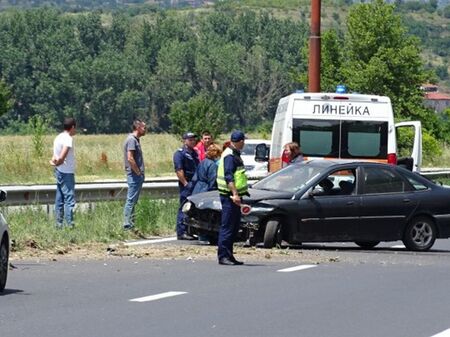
272,234
420,234
367,244
4,254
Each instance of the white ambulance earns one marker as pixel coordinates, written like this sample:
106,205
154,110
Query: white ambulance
341,126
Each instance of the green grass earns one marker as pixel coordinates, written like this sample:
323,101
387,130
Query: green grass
99,157
33,227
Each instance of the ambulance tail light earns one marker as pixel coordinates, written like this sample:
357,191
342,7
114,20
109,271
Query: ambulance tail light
392,158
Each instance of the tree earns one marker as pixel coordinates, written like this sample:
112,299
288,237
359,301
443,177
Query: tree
5,98
201,112
382,59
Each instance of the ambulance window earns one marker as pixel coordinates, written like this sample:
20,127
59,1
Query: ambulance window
364,139
317,138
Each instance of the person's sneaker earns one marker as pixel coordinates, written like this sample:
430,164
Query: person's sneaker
127,227
185,236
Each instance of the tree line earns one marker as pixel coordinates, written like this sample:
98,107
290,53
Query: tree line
106,69
181,70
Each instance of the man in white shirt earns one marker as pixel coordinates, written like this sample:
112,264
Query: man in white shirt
64,162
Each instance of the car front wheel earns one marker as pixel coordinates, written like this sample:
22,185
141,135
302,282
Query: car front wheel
272,234
420,234
4,254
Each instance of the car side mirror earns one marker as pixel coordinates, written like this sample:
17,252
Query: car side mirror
262,152
2,195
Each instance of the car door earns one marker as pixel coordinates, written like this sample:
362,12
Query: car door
387,202
332,215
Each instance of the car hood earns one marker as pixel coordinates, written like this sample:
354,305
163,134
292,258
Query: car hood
211,200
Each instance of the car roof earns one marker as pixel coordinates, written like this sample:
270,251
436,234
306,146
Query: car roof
343,162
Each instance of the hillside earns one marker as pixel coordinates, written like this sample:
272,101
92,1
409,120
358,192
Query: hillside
428,20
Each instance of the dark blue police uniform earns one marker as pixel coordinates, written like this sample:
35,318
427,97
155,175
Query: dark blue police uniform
186,160
231,213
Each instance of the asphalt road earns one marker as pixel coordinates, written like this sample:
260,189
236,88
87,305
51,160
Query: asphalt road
392,293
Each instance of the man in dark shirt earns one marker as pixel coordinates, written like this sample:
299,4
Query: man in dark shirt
134,168
185,161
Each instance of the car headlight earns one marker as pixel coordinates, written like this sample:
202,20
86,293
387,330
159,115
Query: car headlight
186,207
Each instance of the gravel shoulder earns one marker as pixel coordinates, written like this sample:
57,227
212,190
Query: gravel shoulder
194,251
169,251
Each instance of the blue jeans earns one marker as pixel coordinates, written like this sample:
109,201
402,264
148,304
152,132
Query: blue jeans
65,198
229,227
185,191
134,189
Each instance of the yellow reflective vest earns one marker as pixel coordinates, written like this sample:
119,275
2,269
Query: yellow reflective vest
240,179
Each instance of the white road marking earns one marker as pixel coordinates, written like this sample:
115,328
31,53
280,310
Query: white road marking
158,296
146,242
398,246
445,333
302,267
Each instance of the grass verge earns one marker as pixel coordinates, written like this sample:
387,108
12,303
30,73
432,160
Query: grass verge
33,227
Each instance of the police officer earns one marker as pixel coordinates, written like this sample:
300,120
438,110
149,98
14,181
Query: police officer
232,185
185,161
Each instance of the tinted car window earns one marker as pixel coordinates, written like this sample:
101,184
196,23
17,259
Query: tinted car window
341,182
378,180
414,181
364,139
346,139
317,138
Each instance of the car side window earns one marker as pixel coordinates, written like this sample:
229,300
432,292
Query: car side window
379,180
416,184
340,182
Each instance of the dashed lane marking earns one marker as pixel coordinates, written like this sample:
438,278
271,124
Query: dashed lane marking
158,296
445,333
296,268
398,246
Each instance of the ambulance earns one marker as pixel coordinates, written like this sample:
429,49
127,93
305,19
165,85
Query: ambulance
340,126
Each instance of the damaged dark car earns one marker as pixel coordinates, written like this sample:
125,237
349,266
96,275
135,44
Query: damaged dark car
330,201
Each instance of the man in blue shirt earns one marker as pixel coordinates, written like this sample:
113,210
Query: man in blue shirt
185,162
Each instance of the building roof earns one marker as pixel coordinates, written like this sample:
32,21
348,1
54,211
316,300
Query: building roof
436,96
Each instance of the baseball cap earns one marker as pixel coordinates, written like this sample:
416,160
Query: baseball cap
237,136
188,135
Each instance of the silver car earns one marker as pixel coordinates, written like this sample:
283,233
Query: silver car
4,246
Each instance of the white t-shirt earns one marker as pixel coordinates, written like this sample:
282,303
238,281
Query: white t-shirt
65,139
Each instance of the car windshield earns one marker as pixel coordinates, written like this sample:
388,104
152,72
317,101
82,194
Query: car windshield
289,179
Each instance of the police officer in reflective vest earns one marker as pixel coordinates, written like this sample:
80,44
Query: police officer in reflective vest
232,185
185,161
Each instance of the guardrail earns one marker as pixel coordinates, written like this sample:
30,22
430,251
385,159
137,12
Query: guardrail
88,192
156,188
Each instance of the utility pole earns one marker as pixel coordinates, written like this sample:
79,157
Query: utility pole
314,48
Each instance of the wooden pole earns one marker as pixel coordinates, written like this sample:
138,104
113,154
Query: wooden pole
314,48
